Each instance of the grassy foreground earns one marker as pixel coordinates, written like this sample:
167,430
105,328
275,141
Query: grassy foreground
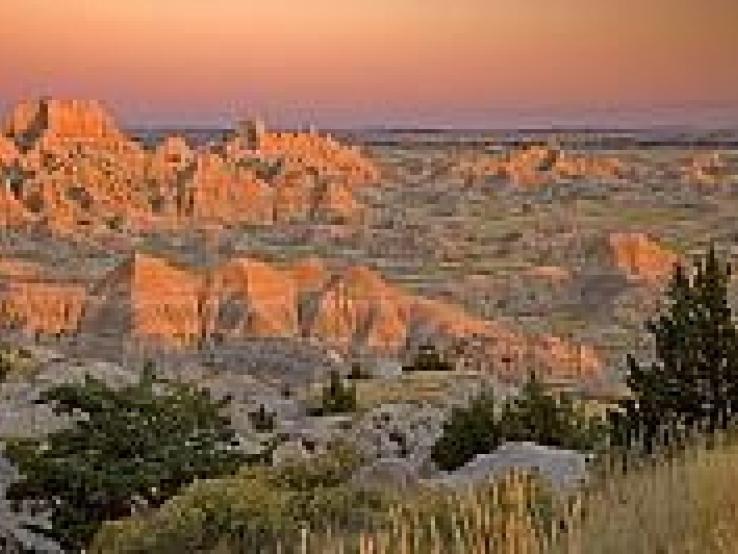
686,503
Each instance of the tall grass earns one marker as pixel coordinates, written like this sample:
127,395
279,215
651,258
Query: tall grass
681,503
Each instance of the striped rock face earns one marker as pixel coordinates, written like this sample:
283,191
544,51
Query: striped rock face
152,300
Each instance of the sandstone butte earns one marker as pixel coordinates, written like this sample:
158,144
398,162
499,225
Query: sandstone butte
537,165
640,258
77,171
150,300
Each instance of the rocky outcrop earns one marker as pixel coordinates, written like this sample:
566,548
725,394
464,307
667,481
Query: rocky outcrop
358,307
640,258
309,274
321,154
251,298
43,307
12,211
81,174
537,165
494,347
53,120
564,469
153,301
706,169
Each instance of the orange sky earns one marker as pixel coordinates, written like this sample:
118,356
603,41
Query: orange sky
353,62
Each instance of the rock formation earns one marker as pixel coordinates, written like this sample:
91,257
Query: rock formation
641,258
8,152
12,211
358,307
309,274
148,299
251,298
45,308
152,301
35,303
53,121
80,175
537,165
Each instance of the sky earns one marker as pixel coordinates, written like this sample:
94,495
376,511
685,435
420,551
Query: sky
354,63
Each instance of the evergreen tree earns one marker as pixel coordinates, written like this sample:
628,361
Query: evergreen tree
128,447
470,430
535,415
694,379
337,398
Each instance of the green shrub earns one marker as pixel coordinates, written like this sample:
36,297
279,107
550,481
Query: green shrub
14,361
533,415
127,449
337,397
250,511
551,420
261,420
358,373
469,431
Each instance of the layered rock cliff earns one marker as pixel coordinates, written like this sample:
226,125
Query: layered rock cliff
151,300
77,173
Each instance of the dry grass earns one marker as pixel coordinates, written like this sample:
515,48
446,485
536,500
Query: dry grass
685,505
688,504
430,387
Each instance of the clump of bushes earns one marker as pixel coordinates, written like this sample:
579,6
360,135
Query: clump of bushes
534,415
550,419
337,397
252,510
470,430
261,420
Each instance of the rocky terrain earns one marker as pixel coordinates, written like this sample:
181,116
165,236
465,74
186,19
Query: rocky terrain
528,254
258,261
70,168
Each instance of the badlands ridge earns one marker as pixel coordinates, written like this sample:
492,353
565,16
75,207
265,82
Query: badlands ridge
71,172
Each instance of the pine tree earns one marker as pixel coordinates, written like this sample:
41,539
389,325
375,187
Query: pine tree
694,380
550,419
338,398
128,447
469,430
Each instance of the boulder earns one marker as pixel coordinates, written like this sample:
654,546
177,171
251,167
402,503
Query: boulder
563,469
396,474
